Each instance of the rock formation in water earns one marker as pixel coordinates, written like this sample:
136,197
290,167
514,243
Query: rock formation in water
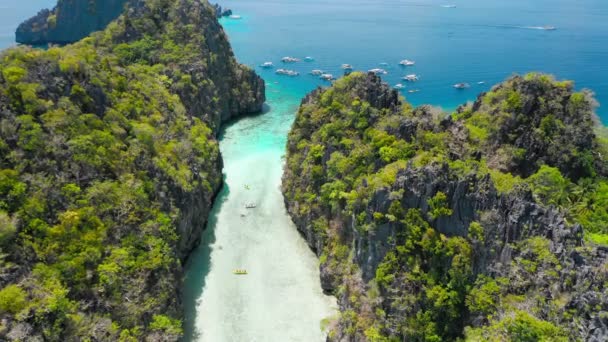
489,224
108,167
69,21
222,12
72,20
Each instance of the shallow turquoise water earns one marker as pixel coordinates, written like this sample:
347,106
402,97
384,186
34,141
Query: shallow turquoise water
280,299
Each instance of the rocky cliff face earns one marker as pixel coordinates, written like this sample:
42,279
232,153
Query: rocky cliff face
433,227
108,168
203,70
69,21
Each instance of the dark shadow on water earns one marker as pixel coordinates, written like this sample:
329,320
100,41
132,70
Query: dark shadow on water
199,266
228,124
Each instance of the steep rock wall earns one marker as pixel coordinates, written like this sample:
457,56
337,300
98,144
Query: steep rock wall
438,227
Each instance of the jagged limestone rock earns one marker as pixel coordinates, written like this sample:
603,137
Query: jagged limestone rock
432,226
69,21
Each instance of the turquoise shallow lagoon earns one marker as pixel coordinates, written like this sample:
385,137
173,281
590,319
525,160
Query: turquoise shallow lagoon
280,299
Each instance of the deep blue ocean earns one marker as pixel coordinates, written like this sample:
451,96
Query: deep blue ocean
477,41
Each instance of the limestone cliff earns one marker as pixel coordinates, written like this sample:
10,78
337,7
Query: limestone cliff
69,21
108,168
436,227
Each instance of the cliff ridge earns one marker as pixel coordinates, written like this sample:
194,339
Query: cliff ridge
109,164
473,225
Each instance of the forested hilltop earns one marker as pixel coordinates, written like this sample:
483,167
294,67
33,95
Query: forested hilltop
489,224
108,167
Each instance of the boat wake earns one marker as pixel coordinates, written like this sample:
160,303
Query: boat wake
543,28
539,28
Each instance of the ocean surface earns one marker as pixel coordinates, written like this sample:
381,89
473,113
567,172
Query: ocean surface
13,12
477,41
280,298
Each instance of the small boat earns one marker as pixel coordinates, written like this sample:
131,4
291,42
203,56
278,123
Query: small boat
316,72
411,78
327,77
407,62
287,72
549,28
235,16
399,86
481,82
266,65
413,91
347,67
290,60
378,71
240,271
250,206
309,59
462,85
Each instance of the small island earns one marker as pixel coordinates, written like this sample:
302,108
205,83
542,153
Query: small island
71,20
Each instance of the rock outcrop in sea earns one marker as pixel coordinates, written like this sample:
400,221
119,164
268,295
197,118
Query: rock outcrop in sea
109,164
474,225
222,12
71,20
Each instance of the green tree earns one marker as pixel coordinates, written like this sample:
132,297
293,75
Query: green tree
13,299
549,185
438,206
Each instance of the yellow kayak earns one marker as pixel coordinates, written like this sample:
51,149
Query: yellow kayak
239,272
